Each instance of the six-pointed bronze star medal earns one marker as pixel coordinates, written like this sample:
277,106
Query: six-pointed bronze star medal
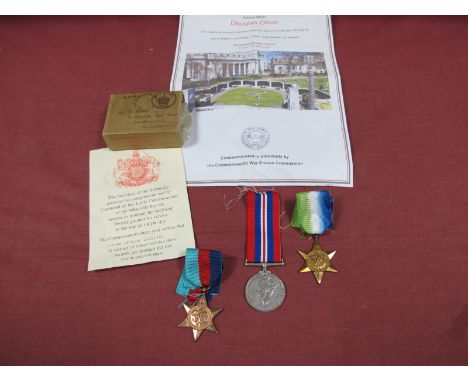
200,317
317,261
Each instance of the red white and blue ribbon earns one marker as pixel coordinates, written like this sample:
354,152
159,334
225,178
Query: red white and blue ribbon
263,227
201,274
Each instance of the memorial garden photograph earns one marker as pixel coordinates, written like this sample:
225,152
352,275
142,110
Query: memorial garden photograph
271,79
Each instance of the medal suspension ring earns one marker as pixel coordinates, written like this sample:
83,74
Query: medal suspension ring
265,292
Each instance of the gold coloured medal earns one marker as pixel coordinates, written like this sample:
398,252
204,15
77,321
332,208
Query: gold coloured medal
200,317
317,261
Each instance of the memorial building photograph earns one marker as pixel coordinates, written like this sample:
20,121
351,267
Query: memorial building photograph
273,79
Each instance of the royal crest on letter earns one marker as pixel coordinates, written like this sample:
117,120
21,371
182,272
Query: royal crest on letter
136,171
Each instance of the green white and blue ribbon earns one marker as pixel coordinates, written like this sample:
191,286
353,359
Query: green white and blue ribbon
313,212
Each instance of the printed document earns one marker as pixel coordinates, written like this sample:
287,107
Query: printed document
266,101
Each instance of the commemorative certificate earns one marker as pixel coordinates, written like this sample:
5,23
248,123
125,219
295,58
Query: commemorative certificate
138,207
266,101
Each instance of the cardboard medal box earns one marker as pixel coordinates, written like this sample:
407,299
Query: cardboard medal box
146,120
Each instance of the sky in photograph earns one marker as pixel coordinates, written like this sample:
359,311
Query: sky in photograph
270,54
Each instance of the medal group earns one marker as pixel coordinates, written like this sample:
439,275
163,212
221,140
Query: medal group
201,276
233,91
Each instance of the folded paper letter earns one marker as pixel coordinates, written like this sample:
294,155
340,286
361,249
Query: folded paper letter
139,208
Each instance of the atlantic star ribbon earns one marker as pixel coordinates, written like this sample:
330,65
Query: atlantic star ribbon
201,274
313,212
263,227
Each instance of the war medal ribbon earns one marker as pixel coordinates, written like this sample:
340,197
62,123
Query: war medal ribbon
313,215
199,282
264,291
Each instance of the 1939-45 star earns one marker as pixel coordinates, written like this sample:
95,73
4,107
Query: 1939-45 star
200,317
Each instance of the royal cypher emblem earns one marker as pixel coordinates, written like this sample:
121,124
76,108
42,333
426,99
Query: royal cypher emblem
317,261
136,171
164,100
200,317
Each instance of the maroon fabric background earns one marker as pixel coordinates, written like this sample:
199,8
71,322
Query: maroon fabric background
401,294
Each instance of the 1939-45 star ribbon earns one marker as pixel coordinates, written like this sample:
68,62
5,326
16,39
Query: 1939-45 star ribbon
313,215
199,282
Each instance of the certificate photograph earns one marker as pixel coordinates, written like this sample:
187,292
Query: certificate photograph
259,79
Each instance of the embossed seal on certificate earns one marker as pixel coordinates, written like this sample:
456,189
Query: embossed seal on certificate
255,138
265,291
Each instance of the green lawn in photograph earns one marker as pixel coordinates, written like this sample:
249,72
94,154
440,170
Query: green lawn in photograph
321,83
248,96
